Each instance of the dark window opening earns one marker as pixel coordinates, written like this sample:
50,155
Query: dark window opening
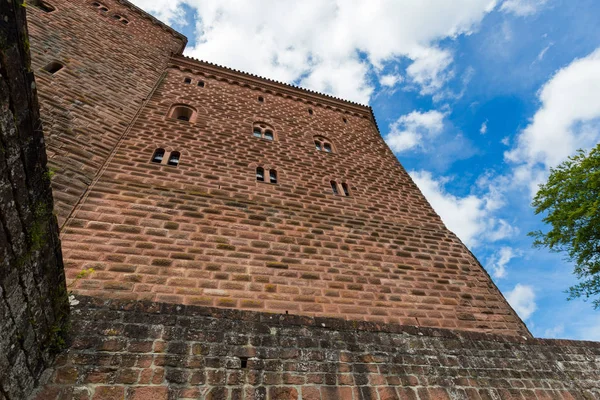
187,80
96,4
174,158
345,121
53,67
345,188
310,111
45,7
260,174
257,132
327,147
261,99
201,83
334,187
182,113
269,135
244,362
158,155
116,16
103,9
124,21
273,176
318,145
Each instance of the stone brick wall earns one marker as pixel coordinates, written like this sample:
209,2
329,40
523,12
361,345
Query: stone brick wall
207,233
151,351
33,298
109,70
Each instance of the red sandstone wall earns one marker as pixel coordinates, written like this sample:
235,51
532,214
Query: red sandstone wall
110,68
207,233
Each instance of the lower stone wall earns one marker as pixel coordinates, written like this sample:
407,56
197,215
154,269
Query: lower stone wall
155,351
33,297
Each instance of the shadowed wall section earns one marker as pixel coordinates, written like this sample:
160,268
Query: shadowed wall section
33,297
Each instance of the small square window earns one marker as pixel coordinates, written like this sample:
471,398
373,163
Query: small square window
327,147
268,135
257,133
201,83
187,80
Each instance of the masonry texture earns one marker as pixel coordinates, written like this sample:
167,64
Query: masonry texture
140,350
209,283
33,297
205,232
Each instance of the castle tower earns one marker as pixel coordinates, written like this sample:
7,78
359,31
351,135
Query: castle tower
188,183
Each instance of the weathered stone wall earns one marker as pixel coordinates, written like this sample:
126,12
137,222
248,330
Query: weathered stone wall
33,298
151,351
206,232
109,70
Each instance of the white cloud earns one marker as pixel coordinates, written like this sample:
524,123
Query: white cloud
542,53
522,7
411,130
390,80
568,119
505,140
483,129
470,217
499,260
554,332
330,45
522,299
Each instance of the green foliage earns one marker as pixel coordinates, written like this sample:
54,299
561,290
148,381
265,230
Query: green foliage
570,201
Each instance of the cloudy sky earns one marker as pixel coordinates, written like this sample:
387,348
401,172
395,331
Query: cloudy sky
477,98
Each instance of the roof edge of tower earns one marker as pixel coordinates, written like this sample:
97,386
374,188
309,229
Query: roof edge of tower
158,22
366,111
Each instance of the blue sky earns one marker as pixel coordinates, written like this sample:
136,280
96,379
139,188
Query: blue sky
477,98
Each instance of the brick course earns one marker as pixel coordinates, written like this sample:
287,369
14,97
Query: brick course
141,350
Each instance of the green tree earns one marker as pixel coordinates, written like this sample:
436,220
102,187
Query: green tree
570,201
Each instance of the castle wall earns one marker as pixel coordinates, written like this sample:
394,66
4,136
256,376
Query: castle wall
33,296
143,351
109,69
206,232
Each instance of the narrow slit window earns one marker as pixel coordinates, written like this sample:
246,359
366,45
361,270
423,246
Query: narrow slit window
273,176
334,187
187,80
53,67
158,156
327,147
103,9
45,7
310,111
124,21
345,189
116,16
260,174
318,145
174,158
269,135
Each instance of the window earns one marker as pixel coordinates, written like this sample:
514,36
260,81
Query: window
182,113
323,144
261,99
345,188
53,67
273,176
345,120
187,80
116,16
310,111
264,131
158,155
201,83
174,158
260,174
124,21
45,7
334,187
100,6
